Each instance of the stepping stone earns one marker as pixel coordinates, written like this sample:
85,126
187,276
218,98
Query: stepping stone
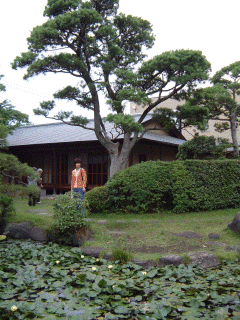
44,214
188,235
213,236
35,211
235,248
121,221
102,222
215,243
135,221
154,221
116,232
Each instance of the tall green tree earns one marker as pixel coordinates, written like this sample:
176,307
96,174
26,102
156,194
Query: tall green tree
222,101
10,118
104,50
10,167
183,117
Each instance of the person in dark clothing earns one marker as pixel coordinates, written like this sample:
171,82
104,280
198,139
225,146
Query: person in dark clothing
32,182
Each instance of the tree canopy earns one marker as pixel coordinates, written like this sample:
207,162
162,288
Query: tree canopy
10,166
222,100
10,118
203,148
105,51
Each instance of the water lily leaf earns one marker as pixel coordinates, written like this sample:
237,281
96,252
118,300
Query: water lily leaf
152,273
57,284
121,310
92,294
195,303
117,289
202,296
138,298
102,283
191,314
164,311
90,276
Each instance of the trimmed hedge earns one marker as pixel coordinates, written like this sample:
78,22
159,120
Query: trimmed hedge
212,185
191,185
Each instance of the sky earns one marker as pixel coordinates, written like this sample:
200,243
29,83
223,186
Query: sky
210,26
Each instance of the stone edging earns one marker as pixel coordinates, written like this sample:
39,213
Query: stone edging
25,230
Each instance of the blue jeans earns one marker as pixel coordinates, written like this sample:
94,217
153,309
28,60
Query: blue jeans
81,196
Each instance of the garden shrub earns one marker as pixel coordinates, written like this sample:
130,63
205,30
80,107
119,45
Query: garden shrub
6,208
203,147
208,185
96,200
183,186
142,188
68,218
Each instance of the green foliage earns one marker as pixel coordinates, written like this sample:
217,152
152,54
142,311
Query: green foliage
207,185
68,218
203,147
191,185
121,255
105,51
221,100
96,200
10,167
124,123
6,208
10,118
53,281
142,188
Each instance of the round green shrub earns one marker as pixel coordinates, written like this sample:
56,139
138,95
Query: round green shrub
96,200
145,187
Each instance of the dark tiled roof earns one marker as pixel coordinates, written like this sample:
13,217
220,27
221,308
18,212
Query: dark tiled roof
61,132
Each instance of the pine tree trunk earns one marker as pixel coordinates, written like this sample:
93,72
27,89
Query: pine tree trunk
119,158
118,162
234,136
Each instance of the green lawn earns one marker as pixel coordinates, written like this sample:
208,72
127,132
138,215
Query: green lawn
148,236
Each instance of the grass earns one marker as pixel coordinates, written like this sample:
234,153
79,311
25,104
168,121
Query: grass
26,213
151,236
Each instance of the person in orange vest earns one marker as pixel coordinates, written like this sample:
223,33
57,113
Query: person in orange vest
79,180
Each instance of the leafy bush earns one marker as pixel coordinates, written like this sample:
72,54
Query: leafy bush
191,185
68,218
17,190
142,188
96,200
203,147
6,208
207,185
